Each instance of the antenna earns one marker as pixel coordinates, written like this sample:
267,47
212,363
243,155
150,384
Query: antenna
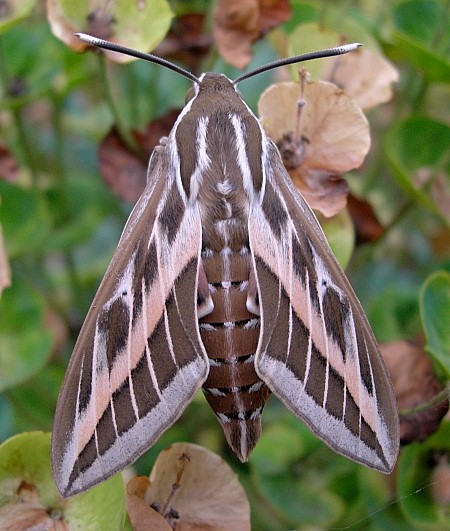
330,52
107,45
113,47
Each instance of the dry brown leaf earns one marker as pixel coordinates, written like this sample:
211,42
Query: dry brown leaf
142,517
155,130
365,75
186,42
335,137
272,13
27,512
198,489
414,384
367,226
122,169
336,129
238,23
440,482
235,28
322,191
440,240
5,271
9,167
100,23
58,327
20,515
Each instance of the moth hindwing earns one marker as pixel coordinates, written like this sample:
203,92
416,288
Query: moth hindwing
222,279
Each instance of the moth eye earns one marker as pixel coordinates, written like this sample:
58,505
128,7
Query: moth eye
189,95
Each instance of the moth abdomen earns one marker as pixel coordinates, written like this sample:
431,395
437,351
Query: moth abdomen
230,335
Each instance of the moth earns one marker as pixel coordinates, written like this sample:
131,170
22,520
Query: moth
222,279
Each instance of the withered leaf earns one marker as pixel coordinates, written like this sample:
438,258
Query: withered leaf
9,167
272,13
124,171
365,75
334,132
142,516
187,41
27,512
323,191
196,489
238,23
414,384
155,130
367,226
5,271
440,482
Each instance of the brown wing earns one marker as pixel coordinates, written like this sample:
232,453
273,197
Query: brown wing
139,359
316,351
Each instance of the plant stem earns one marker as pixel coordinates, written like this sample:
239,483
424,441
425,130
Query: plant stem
437,399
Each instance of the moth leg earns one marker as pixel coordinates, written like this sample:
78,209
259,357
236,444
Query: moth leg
205,303
252,303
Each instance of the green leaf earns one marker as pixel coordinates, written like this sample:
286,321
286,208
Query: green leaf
415,467
279,446
138,25
419,19
25,459
393,313
340,234
87,205
413,475
33,403
102,507
303,502
302,12
25,217
419,141
25,344
435,313
435,69
414,144
377,498
422,37
6,418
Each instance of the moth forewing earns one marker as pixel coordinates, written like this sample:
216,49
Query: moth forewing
316,351
222,278
139,359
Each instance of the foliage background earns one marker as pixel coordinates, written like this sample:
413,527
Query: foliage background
61,224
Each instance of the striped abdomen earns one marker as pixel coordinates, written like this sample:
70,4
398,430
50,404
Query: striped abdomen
230,335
